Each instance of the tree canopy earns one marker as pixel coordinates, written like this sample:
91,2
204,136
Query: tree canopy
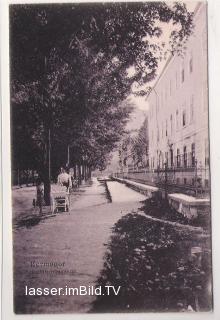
140,146
70,73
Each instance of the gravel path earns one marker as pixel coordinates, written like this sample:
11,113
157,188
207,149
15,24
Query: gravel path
75,241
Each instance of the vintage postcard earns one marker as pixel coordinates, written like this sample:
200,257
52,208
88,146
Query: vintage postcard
110,157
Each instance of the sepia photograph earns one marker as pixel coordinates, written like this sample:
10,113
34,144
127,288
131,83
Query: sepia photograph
110,157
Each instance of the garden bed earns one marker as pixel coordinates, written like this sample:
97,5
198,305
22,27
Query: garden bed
154,265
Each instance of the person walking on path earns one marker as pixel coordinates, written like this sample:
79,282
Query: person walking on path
64,179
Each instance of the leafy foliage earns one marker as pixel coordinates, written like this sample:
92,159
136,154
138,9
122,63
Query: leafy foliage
140,146
152,263
70,73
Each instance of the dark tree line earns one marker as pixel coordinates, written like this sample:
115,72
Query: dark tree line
70,74
140,146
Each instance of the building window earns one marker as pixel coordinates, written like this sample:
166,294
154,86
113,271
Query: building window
206,152
191,109
166,129
171,157
182,73
147,163
160,160
206,183
171,124
178,158
166,158
176,80
191,63
184,156
193,155
185,181
184,118
177,119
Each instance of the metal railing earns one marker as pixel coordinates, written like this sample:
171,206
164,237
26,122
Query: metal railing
188,178
181,161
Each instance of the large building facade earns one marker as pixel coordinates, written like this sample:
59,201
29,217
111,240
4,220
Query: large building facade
178,111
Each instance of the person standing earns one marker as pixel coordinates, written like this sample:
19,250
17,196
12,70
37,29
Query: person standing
64,179
40,194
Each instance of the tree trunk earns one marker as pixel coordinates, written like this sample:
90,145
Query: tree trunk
18,177
33,180
83,172
68,156
86,172
75,170
47,191
89,172
47,173
79,173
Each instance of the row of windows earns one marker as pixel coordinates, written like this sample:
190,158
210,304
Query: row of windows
188,108
177,123
183,158
180,160
187,67
162,97
190,68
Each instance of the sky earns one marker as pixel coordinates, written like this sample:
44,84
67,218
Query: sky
140,102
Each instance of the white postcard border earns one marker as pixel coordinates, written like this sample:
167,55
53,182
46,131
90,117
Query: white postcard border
214,114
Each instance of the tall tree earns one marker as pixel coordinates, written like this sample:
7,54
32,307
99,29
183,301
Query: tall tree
140,146
70,71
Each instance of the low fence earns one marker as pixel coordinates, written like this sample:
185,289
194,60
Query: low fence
189,180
